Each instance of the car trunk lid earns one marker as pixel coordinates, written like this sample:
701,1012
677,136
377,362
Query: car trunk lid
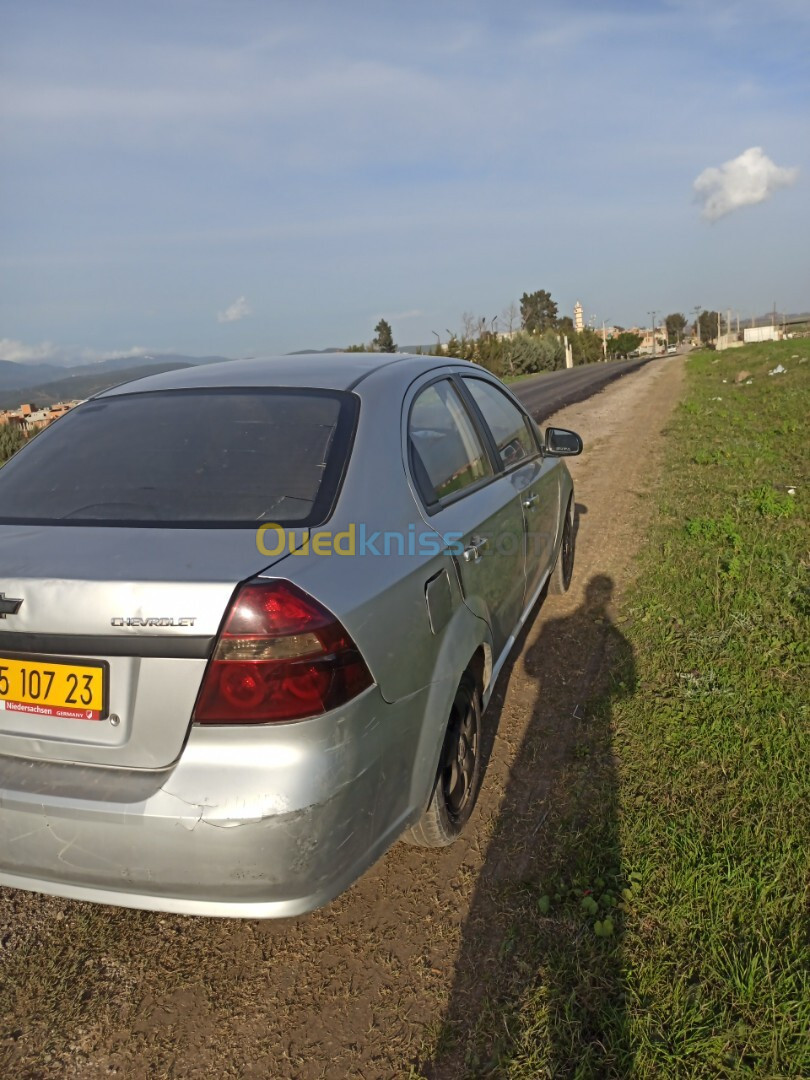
135,610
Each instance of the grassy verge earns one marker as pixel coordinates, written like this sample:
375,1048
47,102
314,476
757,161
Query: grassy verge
667,936
713,747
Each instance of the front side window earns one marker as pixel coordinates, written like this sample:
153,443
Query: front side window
447,454
506,422
215,458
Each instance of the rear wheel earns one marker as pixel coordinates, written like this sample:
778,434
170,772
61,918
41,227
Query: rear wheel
563,570
458,779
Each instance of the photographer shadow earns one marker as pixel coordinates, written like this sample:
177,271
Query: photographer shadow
538,985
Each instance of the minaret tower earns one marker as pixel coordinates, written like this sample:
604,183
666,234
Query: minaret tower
578,319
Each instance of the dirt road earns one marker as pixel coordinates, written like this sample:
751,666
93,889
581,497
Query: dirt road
361,988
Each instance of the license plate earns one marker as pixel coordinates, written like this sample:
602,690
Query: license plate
42,686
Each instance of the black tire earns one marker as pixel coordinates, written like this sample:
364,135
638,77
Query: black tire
563,571
458,779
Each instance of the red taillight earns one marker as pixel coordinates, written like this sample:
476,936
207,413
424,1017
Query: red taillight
279,656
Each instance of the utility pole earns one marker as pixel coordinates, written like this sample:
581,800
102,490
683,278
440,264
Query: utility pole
438,342
604,342
697,321
652,315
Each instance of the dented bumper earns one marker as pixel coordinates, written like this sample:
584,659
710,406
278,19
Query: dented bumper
258,823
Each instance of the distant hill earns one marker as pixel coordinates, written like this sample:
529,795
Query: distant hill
310,352
130,363
32,379
12,374
81,386
781,316
427,349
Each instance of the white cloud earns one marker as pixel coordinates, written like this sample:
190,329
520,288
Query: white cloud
239,309
62,355
744,181
20,353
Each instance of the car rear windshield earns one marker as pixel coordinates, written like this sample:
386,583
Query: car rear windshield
214,458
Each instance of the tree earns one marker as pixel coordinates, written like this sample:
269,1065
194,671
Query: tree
675,324
623,344
384,340
453,348
492,353
528,353
586,347
707,322
470,325
510,317
551,353
538,312
11,439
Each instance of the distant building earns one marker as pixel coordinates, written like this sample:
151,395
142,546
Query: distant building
29,419
762,333
650,344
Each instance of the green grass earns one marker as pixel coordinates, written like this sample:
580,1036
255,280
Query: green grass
667,936
714,747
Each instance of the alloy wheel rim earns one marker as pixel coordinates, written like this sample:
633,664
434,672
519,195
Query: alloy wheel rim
460,760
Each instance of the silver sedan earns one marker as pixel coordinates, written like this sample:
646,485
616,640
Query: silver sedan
250,616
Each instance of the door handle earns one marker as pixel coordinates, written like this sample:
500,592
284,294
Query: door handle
473,551
531,501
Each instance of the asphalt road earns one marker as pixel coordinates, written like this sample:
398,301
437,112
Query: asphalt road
543,395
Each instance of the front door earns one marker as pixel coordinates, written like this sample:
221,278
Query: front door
537,479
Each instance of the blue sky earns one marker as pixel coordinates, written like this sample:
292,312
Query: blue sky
253,176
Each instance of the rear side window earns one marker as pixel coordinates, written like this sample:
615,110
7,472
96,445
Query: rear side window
215,458
506,422
446,452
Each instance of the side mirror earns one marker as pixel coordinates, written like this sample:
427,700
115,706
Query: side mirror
561,443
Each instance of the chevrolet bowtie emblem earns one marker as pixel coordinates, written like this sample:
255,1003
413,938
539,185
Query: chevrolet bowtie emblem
8,606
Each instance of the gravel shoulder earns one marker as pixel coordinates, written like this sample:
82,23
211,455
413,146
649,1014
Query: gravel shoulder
365,987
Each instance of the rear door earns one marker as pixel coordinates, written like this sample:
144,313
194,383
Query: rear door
470,502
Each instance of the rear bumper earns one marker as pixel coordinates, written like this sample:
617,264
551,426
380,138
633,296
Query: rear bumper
264,823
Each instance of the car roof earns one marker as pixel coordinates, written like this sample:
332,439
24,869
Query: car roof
327,371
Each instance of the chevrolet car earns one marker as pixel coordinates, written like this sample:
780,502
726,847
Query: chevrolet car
250,616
